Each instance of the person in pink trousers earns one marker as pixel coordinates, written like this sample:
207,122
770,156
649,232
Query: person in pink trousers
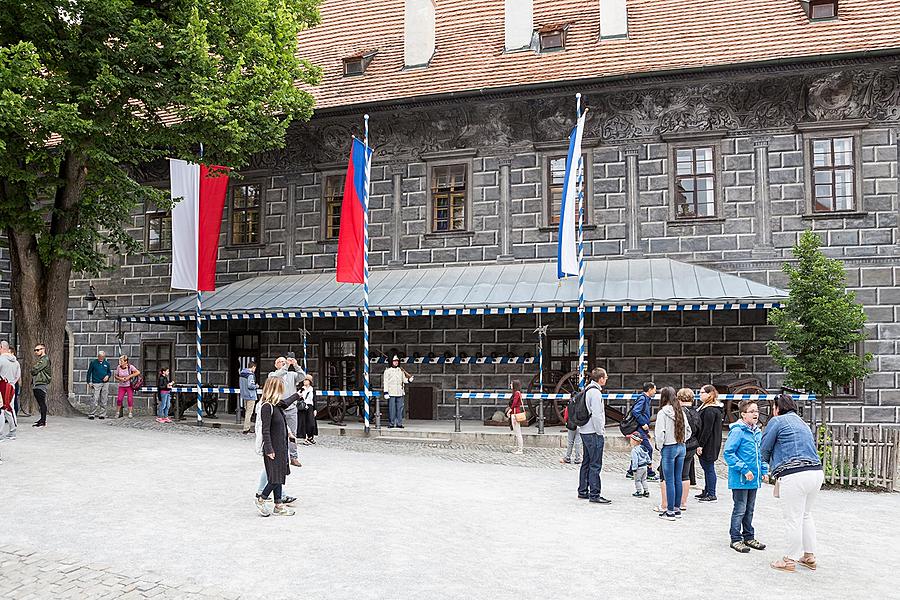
124,374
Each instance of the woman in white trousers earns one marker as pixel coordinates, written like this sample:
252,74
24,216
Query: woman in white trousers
789,448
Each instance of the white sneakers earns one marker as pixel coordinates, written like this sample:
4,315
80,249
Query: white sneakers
263,506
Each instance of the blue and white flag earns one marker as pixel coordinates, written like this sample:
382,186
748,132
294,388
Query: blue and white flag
567,251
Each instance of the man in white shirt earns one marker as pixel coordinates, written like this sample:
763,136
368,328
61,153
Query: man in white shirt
592,440
395,379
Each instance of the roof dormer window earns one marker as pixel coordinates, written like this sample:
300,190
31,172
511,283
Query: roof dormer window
822,9
553,37
356,64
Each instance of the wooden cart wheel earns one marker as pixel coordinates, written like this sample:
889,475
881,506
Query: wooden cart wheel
567,384
732,413
335,408
552,416
211,406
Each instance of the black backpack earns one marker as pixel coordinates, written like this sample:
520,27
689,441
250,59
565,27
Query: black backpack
578,412
693,419
628,425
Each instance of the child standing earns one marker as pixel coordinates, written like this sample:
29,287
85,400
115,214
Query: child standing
164,388
640,461
642,411
745,472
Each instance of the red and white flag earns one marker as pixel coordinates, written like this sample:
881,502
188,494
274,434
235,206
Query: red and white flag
196,221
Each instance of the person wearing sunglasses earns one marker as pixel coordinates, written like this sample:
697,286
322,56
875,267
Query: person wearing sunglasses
40,382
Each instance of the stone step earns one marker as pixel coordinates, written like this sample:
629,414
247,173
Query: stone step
395,438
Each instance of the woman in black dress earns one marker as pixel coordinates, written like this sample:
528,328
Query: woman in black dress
308,429
275,434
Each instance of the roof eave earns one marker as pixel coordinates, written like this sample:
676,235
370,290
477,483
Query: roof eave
571,84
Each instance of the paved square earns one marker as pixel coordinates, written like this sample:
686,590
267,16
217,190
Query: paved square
113,510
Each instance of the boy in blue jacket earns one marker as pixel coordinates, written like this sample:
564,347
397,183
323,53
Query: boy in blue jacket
642,411
746,470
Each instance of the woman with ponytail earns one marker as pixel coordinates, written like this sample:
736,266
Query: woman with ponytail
712,414
672,429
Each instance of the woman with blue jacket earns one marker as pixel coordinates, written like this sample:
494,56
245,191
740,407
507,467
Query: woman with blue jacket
746,469
789,446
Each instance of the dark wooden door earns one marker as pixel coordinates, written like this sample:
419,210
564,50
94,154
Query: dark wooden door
244,349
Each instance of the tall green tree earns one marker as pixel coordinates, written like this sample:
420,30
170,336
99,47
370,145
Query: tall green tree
820,326
92,89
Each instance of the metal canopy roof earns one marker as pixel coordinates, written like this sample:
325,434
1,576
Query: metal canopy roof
610,286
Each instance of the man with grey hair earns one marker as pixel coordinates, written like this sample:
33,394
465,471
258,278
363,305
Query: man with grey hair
98,374
287,369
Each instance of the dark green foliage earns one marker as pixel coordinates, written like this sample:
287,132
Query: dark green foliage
821,324
90,89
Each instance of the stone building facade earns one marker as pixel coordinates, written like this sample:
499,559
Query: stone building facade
756,137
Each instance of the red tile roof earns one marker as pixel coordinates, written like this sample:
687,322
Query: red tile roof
663,35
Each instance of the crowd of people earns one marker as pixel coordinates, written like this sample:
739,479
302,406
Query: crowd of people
784,453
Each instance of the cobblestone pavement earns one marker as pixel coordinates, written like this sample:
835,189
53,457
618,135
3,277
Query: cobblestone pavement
27,575
122,509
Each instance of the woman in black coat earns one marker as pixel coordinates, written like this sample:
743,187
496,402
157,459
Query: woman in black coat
307,427
712,415
275,435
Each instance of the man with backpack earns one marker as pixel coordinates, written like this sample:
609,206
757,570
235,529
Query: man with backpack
588,414
642,411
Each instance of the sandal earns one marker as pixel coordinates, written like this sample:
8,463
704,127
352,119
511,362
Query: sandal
740,547
755,544
809,563
785,564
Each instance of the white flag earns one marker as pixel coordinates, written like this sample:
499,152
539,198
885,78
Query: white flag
567,252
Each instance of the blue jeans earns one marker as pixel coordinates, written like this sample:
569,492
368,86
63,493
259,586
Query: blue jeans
672,465
165,399
272,487
572,437
742,514
395,410
591,464
709,477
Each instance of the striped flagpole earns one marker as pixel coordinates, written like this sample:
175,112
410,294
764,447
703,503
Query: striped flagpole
305,333
540,332
199,349
199,362
365,315
582,350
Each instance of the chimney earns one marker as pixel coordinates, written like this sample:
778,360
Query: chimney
519,18
613,19
418,32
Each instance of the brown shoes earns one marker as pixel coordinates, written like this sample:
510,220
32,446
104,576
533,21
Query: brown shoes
785,564
808,561
295,463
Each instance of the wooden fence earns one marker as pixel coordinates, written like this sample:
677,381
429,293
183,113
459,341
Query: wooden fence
863,455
